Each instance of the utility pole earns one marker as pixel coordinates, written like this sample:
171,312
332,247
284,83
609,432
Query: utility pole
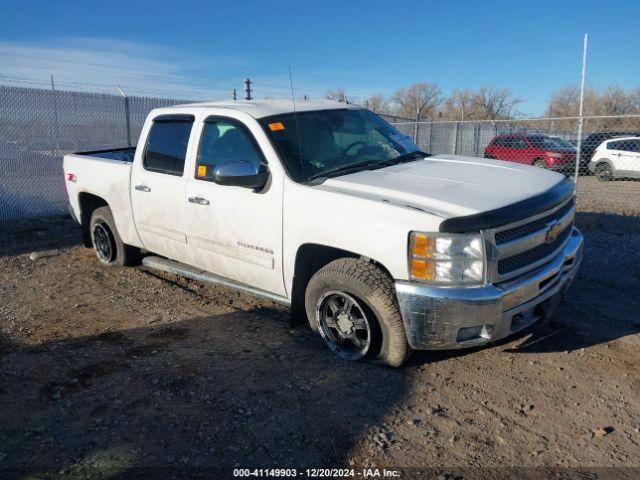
247,89
233,94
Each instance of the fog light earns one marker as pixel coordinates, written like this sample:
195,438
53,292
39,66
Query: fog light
475,333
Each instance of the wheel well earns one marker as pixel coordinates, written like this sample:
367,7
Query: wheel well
604,161
310,258
88,203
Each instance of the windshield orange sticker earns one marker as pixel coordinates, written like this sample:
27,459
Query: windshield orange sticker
202,170
275,126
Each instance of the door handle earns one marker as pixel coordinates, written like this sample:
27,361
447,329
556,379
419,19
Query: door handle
199,200
142,188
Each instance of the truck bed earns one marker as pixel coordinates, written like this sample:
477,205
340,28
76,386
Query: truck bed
107,175
120,154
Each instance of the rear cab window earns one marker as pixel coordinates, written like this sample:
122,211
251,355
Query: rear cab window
167,142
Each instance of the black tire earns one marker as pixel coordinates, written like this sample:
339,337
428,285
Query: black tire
489,156
604,172
540,163
374,292
107,243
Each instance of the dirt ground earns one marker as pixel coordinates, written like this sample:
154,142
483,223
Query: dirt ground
108,372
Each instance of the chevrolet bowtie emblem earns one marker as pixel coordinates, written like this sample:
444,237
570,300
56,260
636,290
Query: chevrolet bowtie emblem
553,230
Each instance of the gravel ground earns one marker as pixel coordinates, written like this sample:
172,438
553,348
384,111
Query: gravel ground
108,372
619,196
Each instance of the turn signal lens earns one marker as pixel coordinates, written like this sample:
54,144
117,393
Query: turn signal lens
422,246
423,269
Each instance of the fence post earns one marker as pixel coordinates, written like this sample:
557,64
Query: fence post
580,117
56,127
127,115
455,139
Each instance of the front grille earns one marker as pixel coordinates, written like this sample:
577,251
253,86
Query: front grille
521,260
523,230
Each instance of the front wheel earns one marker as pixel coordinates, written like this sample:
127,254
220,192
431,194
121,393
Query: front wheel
352,304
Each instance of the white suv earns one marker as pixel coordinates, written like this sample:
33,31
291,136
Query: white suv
616,158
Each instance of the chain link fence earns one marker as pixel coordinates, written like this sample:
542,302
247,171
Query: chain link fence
38,127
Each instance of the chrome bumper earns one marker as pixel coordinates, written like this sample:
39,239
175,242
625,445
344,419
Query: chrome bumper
437,318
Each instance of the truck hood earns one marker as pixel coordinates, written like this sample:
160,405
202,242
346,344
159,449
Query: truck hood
448,185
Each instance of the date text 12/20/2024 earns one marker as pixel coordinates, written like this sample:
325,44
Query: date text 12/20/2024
316,473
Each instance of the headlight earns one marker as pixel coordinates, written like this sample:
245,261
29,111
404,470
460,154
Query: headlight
446,258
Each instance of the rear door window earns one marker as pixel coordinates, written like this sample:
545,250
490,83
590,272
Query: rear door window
167,143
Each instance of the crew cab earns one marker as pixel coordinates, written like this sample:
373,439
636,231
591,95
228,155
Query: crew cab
382,248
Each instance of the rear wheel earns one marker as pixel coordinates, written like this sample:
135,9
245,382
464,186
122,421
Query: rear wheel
351,303
540,163
108,245
604,172
488,155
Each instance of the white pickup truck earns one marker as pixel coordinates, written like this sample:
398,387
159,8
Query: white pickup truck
325,207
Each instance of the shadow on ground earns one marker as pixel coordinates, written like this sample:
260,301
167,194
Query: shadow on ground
196,395
33,235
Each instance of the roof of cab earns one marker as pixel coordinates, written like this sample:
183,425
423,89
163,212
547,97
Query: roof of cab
266,108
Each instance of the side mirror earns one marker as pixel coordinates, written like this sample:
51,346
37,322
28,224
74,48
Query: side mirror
239,173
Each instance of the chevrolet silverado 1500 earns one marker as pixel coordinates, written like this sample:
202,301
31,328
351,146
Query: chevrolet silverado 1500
384,249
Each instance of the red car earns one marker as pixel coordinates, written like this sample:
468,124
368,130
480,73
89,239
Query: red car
539,150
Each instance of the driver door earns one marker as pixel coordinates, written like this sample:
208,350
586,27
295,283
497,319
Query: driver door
234,232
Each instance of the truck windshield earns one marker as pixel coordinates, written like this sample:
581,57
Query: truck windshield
326,143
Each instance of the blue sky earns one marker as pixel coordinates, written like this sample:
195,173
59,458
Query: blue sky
198,50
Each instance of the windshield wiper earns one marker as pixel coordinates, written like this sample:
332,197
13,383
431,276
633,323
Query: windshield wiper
408,157
351,168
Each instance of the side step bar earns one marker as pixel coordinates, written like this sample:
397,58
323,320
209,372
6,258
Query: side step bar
177,268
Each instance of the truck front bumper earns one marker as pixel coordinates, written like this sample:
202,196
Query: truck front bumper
441,318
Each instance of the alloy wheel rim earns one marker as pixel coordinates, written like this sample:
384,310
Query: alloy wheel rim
605,172
102,243
343,325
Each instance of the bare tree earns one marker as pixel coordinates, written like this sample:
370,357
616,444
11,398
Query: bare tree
377,103
612,101
494,104
565,102
459,106
419,99
338,94
616,101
